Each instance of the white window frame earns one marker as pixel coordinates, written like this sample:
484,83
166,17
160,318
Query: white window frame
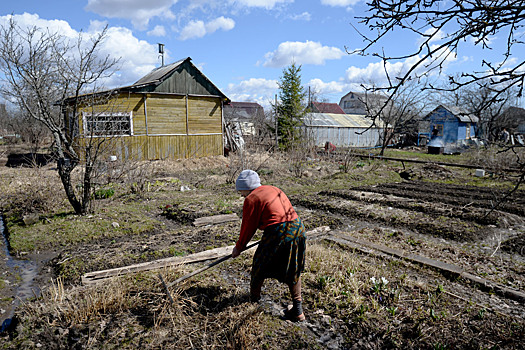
104,121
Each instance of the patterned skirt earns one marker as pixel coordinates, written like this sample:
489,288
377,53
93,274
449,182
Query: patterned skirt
281,253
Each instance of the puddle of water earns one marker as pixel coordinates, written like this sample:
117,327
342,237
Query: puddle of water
27,270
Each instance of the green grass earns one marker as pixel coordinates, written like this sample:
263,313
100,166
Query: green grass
73,229
374,174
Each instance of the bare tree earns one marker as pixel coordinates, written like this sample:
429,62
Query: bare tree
30,130
42,69
443,26
399,116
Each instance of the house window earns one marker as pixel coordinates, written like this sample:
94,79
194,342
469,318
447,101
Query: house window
467,134
439,128
108,124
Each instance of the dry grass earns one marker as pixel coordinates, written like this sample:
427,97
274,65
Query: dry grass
366,298
30,190
345,293
338,276
133,312
496,157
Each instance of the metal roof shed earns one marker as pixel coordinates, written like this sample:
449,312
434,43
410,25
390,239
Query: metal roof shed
343,130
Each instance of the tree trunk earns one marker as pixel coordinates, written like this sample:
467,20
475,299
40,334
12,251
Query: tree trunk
64,170
88,169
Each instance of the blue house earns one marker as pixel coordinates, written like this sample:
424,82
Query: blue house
452,124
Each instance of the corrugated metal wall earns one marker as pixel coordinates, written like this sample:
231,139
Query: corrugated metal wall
343,130
345,137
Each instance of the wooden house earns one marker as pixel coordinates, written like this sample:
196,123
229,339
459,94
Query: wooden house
452,124
362,103
173,112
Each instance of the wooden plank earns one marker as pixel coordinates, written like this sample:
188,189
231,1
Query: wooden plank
204,115
92,277
215,219
445,268
97,276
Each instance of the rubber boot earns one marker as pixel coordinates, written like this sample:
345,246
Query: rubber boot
296,313
255,290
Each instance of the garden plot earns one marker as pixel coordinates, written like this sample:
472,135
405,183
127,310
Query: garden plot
354,297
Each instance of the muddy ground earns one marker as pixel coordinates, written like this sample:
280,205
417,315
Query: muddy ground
437,213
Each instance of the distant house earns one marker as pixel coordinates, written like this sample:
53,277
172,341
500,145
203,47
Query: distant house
323,107
356,102
244,116
452,124
174,112
342,130
513,119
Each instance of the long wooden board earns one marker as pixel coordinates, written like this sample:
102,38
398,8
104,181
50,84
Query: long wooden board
445,268
97,276
93,277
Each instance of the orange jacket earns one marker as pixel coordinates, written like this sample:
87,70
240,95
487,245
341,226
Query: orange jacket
264,206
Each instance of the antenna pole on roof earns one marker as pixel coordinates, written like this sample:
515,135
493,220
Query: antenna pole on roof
161,53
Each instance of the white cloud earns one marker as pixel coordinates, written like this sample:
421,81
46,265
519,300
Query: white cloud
332,87
342,3
27,20
194,29
375,72
157,31
198,29
137,57
220,23
305,16
267,4
254,89
308,52
140,12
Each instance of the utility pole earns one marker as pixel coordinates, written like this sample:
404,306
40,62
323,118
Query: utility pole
276,125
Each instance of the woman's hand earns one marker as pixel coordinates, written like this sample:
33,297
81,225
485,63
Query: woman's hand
235,252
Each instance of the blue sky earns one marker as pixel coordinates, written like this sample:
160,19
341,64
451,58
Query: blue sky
242,46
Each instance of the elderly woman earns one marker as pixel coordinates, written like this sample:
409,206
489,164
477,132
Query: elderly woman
281,252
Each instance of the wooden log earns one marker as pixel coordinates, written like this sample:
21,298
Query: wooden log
216,219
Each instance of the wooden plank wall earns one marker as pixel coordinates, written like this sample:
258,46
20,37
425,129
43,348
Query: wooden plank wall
163,147
166,115
204,115
163,128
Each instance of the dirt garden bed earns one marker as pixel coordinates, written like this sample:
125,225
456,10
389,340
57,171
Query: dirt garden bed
353,299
